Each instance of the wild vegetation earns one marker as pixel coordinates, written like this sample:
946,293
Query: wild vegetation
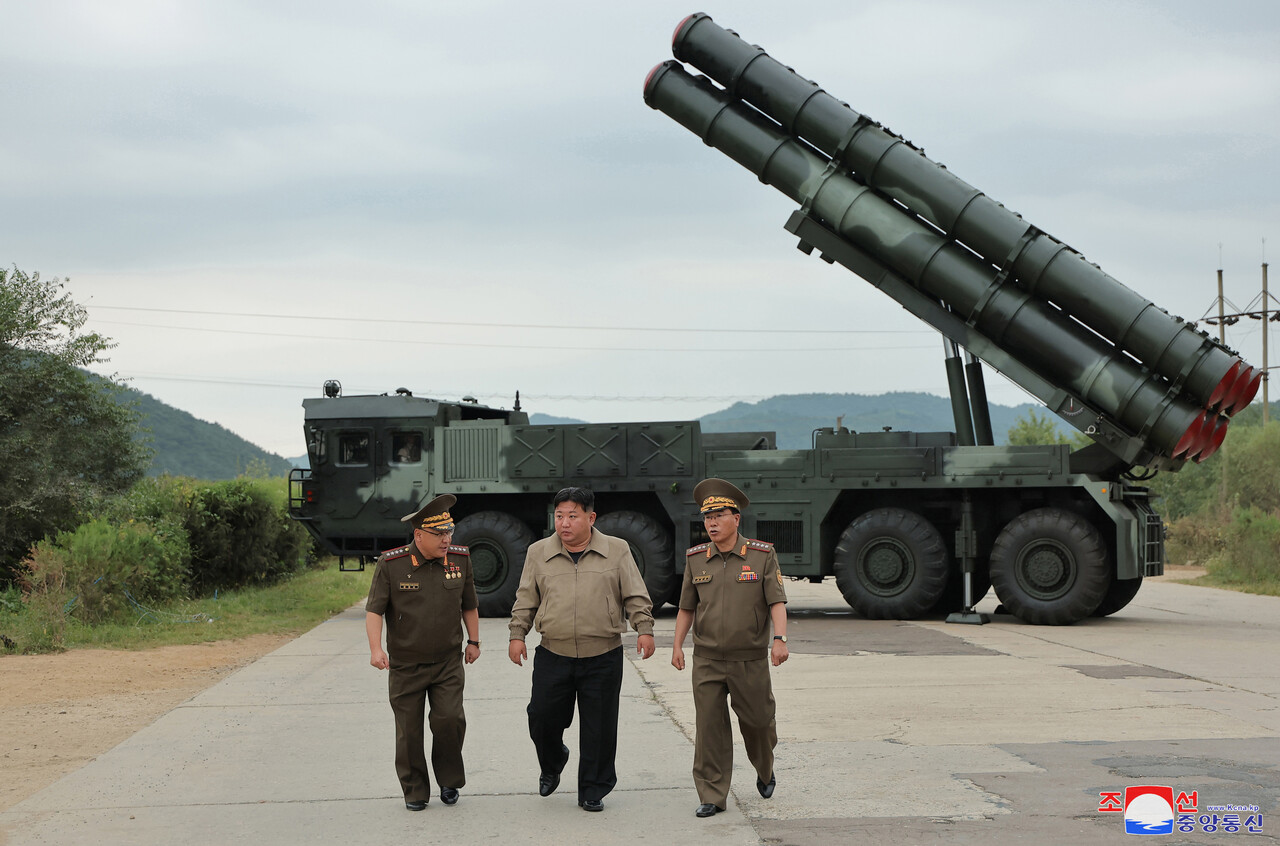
153,555
1223,515
89,546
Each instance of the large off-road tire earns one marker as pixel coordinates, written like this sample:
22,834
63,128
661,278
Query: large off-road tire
1050,567
651,547
891,564
1120,594
498,543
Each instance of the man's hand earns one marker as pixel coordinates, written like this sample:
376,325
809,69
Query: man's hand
378,658
517,653
677,658
778,653
471,654
645,646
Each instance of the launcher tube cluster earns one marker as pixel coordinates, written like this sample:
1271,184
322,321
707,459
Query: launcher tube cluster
1031,295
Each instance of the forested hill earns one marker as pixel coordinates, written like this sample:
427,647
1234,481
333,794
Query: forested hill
795,416
187,446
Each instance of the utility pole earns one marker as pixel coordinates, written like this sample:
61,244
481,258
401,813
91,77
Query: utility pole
1222,339
1266,400
1264,313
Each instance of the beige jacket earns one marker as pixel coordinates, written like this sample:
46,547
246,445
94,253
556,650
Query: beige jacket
581,610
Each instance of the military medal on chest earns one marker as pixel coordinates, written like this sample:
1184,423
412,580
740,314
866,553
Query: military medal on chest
748,575
452,571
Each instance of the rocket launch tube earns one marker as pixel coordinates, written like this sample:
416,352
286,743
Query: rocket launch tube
1038,334
887,163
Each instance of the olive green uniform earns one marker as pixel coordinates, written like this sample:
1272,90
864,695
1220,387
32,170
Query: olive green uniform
422,601
730,594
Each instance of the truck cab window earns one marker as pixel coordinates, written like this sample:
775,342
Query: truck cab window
353,448
406,447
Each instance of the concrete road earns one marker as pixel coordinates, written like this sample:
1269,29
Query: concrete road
890,733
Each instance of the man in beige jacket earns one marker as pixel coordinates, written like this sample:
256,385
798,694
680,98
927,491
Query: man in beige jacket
578,589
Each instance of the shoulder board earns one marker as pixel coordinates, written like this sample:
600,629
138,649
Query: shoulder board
761,545
398,552
459,550
694,550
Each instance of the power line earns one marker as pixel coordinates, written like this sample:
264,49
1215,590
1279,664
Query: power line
486,345
447,392
576,328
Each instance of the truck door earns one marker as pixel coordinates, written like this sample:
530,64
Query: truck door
351,483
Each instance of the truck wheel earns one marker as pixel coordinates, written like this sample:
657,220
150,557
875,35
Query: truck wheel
1050,567
891,564
651,547
1120,594
498,543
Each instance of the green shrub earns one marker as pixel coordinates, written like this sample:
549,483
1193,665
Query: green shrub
240,535
1252,551
106,568
1196,540
43,579
1253,467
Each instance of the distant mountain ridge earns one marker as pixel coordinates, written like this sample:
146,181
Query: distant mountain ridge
188,446
794,416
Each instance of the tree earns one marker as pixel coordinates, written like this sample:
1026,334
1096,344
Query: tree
65,439
1036,430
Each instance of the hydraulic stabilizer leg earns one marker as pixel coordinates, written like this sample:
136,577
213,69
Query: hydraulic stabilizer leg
967,551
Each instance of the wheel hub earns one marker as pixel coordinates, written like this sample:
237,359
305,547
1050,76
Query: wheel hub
886,566
1046,569
487,566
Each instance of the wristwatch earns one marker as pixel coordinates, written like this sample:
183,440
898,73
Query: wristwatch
473,643
782,638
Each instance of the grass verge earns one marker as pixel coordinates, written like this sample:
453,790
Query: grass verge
292,606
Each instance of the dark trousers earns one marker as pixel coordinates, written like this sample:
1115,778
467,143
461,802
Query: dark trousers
411,686
595,683
748,686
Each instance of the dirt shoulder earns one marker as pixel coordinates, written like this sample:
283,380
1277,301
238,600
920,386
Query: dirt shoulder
59,712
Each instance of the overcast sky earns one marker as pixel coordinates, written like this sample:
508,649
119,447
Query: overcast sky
472,198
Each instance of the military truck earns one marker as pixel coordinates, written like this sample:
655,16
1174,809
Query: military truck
908,523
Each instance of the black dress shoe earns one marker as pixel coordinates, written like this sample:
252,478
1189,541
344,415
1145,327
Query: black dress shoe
416,804
548,782
766,790
708,810
591,804
449,795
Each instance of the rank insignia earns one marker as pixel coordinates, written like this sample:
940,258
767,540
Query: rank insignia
702,578
409,586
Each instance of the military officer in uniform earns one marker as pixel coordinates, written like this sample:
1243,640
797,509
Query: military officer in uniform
732,592
426,594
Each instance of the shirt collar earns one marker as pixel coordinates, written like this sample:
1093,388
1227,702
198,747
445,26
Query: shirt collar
738,542
596,544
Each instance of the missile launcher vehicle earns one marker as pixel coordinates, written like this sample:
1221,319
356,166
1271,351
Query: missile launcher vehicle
909,524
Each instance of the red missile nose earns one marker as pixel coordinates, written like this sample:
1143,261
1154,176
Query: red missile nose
1192,439
675,36
1215,439
1245,390
649,78
1223,389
